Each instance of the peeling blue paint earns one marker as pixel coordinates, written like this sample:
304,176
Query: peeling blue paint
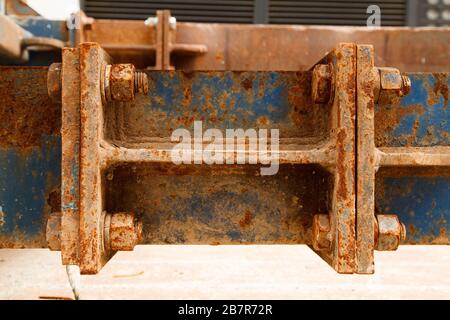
27,176
422,204
427,126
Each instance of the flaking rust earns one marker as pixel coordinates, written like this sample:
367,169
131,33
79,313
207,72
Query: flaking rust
368,84
70,136
24,91
342,62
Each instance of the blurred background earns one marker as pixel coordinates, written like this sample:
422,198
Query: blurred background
338,12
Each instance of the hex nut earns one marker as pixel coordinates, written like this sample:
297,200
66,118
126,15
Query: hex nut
390,79
321,232
321,85
389,232
121,82
393,83
125,231
53,231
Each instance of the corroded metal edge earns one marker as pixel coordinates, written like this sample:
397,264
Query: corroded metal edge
365,151
93,254
70,161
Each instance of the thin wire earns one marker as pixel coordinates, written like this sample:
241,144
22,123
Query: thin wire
73,274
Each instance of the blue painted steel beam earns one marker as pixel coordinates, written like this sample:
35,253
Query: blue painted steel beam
30,170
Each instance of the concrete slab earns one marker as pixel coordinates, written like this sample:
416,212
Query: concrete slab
229,272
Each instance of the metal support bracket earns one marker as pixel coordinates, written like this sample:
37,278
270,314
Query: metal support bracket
345,85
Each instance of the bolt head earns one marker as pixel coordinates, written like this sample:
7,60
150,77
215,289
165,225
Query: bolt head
321,83
321,232
390,232
54,82
406,86
125,231
390,79
121,82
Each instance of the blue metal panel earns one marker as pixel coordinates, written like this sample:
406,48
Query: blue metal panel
420,119
29,187
422,204
30,154
224,100
420,197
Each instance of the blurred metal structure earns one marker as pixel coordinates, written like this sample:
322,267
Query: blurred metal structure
305,12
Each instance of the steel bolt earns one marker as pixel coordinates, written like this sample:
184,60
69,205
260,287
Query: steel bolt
122,81
393,83
321,232
321,85
389,232
122,231
54,82
406,85
140,82
53,231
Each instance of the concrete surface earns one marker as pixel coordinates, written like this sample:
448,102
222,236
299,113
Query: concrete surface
229,272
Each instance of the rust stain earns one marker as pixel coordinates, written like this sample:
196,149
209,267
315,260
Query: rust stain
54,298
247,83
131,275
26,110
441,87
341,166
388,118
246,220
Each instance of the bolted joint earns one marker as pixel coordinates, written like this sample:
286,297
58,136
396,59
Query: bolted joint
393,83
321,232
53,231
54,82
322,83
389,232
122,231
122,81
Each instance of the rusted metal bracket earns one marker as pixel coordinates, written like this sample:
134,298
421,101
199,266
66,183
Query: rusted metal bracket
166,45
367,231
86,155
378,85
334,85
88,235
345,85
162,40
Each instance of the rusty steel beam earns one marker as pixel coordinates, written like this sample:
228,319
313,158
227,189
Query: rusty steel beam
30,148
70,158
265,47
342,65
367,86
